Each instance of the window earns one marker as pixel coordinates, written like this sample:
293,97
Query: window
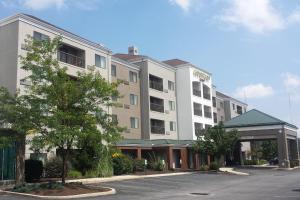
157,126
207,111
233,106
133,76
171,85
239,109
134,122
171,105
215,118
156,83
206,92
197,109
197,88
157,104
39,36
198,128
113,70
100,61
114,118
214,102
172,126
133,99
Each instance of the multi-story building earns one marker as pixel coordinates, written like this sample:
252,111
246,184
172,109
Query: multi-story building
228,107
194,99
76,53
128,109
158,97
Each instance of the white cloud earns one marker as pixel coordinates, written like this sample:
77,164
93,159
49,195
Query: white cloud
258,16
294,17
43,4
254,91
184,4
292,85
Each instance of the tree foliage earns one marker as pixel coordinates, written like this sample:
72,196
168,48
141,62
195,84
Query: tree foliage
216,141
61,111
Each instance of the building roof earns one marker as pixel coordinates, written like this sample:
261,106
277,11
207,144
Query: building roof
175,62
224,96
127,57
133,58
55,28
151,143
124,62
255,118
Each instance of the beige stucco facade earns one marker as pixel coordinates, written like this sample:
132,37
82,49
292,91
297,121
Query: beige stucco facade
150,67
13,32
125,109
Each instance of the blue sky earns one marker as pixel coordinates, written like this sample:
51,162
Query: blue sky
251,47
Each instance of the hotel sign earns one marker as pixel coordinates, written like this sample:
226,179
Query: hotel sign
202,76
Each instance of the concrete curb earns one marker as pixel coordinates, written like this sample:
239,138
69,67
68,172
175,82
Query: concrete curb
78,196
231,171
124,177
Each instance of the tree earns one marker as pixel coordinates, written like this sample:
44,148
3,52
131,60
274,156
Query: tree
216,141
65,110
269,149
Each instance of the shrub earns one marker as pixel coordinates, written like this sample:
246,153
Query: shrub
262,162
122,164
91,174
33,170
25,188
204,168
250,162
156,163
53,168
214,166
105,168
74,174
139,165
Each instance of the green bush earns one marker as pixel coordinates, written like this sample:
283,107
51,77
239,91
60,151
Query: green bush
250,162
262,162
105,168
122,164
139,165
91,174
28,187
74,174
214,166
33,170
53,168
204,168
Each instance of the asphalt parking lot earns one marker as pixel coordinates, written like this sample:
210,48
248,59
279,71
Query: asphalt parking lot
261,184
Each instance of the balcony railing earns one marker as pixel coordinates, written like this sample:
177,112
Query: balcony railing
207,114
156,85
206,96
197,92
198,112
71,59
157,107
158,129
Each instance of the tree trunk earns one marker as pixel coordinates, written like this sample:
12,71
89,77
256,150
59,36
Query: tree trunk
65,166
20,160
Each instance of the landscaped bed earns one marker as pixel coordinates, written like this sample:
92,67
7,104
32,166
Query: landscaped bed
58,189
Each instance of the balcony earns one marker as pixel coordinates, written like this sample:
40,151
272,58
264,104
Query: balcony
239,110
157,104
197,92
157,126
72,56
197,88
206,92
156,83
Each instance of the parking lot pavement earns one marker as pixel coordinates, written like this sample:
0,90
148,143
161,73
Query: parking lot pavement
261,184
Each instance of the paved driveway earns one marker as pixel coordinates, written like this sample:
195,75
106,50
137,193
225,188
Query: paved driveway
261,185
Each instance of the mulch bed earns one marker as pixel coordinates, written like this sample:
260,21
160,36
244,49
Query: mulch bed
69,189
